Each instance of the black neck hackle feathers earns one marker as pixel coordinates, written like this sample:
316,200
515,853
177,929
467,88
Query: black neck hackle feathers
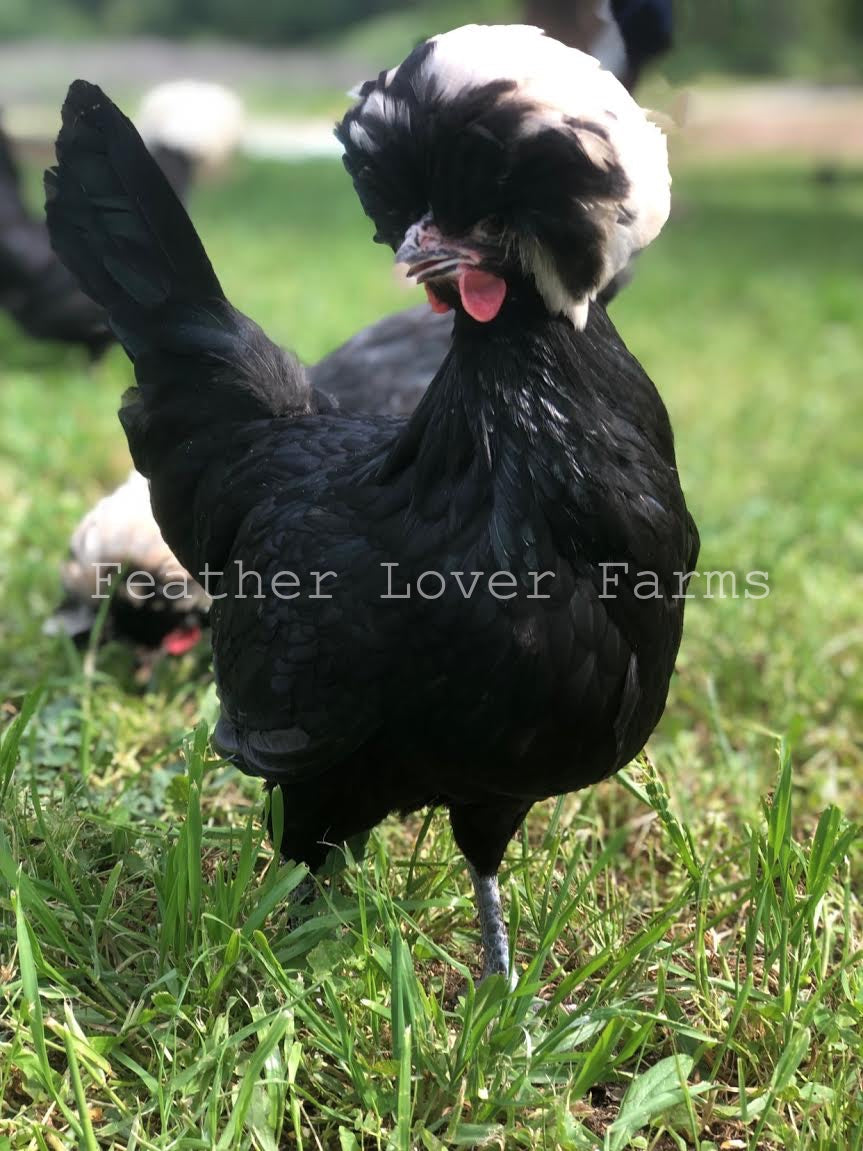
540,451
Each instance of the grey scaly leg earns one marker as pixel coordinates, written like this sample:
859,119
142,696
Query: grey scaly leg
495,945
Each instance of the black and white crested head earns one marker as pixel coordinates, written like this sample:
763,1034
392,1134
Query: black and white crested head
495,156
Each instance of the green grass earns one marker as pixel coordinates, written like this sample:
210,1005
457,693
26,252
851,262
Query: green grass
688,935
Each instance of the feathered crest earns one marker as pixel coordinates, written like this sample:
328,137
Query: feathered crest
503,123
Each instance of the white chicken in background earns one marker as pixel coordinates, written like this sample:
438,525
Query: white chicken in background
190,126
162,606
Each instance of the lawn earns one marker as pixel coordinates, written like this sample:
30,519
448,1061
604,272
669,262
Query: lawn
688,934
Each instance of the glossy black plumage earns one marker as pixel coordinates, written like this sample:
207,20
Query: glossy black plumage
493,705
537,448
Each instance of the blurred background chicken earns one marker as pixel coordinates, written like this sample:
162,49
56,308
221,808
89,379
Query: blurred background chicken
35,289
116,538
624,35
190,127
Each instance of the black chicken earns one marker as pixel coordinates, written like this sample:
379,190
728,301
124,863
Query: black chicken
423,610
187,124
384,368
387,366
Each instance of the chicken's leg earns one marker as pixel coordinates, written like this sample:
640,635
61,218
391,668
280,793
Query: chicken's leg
482,831
495,945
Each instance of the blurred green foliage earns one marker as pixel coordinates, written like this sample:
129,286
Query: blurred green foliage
821,41
262,21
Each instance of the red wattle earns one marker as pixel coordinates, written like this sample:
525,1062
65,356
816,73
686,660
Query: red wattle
482,294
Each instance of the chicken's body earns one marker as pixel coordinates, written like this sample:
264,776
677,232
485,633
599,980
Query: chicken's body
386,367
523,663
485,704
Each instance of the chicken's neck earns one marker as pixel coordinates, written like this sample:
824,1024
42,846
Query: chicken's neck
510,397
523,422
511,428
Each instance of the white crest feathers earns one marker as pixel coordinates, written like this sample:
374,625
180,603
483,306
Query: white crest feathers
566,84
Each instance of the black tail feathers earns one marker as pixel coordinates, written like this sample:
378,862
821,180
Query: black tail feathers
119,227
202,368
116,222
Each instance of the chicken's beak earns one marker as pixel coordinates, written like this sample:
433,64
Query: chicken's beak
429,256
451,271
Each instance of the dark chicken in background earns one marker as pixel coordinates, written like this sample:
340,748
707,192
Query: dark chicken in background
384,368
187,125
36,290
646,29
515,178
624,35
